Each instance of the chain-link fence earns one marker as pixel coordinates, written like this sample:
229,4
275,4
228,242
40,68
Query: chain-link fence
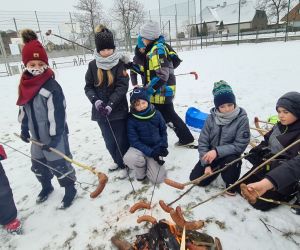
186,25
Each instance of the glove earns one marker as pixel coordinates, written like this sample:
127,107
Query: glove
257,154
98,104
2,153
105,111
163,151
25,136
158,160
53,143
128,65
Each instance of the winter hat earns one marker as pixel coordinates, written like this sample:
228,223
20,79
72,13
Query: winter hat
139,94
150,30
223,94
104,38
140,43
291,102
33,49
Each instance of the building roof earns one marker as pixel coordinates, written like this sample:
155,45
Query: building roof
294,14
228,13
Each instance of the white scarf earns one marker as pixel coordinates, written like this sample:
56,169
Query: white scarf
107,63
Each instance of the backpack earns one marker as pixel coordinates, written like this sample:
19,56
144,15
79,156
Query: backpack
172,56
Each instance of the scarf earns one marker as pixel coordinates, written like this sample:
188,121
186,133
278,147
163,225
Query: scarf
30,85
146,114
225,118
107,63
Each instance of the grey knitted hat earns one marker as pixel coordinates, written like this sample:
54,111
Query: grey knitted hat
150,30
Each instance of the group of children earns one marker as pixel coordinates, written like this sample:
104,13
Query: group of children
138,140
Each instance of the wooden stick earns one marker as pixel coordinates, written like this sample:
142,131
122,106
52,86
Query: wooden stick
260,129
247,176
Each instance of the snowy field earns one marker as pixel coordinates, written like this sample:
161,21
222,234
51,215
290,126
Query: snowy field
258,73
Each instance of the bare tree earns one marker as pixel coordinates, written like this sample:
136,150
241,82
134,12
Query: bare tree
91,15
128,13
273,8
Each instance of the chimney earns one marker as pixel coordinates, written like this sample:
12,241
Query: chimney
224,4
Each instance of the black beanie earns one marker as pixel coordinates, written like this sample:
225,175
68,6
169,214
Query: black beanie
291,102
104,40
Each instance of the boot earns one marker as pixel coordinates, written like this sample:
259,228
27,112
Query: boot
297,202
70,193
47,189
14,227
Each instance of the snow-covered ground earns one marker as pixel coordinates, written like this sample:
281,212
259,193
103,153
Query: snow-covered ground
258,73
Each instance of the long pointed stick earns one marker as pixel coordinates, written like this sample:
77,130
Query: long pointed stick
247,176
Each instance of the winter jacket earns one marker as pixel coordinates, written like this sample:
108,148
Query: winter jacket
44,115
114,95
8,211
159,73
285,171
138,67
230,139
147,134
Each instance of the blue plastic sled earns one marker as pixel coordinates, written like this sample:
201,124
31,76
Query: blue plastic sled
195,118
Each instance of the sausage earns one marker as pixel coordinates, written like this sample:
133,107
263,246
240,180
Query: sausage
179,212
146,218
174,184
102,182
177,219
139,205
164,206
194,225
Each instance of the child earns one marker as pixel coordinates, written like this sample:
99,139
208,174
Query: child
42,112
8,211
106,87
223,139
160,80
278,180
138,59
147,137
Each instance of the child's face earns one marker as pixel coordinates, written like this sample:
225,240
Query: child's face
106,52
140,105
285,117
226,108
36,67
146,41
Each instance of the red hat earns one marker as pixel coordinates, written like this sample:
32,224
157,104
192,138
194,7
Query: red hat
33,49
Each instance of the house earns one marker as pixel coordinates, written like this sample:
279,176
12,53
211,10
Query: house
293,16
226,16
6,38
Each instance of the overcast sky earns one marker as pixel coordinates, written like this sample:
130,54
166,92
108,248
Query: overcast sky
60,5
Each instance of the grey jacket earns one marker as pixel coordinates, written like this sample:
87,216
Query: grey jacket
44,116
230,139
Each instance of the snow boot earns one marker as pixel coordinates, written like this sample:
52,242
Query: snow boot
70,193
297,202
14,227
113,167
47,189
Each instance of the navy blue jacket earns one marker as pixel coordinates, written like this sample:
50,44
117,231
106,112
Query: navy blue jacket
147,134
8,211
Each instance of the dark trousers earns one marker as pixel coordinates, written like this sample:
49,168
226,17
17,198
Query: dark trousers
181,130
286,195
59,167
230,175
119,128
8,211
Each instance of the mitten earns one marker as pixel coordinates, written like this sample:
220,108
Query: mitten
53,143
105,111
98,104
25,136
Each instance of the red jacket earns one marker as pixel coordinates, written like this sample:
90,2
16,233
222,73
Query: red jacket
2,153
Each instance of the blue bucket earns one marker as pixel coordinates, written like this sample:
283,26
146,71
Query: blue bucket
195,118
